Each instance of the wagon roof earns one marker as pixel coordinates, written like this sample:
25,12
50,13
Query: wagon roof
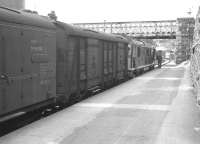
20,17
76,31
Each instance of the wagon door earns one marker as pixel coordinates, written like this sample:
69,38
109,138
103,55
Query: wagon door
83,65
115,60
134,49
121,61
105,61
38,67
110,62
93,63
10,69
72,65
29,91
3,76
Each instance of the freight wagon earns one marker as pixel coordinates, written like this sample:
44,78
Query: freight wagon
27,61
45,62
88,60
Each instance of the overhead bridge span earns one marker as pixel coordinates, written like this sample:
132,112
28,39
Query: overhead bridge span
166,29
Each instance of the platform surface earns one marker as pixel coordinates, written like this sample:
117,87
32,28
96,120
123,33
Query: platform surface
155,108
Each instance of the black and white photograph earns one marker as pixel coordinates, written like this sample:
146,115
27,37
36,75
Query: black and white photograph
99,71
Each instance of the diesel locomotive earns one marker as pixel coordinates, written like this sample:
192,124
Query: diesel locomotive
141,57
44,62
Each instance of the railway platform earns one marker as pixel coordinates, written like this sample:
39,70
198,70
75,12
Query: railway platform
157,107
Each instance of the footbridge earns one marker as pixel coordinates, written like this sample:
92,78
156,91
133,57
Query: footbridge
166,29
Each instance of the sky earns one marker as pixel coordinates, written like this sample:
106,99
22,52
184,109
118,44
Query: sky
83,11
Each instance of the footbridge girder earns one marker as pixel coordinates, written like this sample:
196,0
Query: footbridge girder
165,29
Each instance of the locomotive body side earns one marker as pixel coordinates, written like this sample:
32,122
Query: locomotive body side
141,58
27,64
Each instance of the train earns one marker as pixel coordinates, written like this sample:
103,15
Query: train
141,57
45,62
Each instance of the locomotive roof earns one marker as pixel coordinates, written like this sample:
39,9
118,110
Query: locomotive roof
72,30
149,45
20,17
142,44
137,42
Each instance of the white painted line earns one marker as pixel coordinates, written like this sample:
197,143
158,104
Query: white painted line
182,88
160,78
126,106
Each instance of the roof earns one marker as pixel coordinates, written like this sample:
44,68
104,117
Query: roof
75,31
137,42
20,17
141,43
